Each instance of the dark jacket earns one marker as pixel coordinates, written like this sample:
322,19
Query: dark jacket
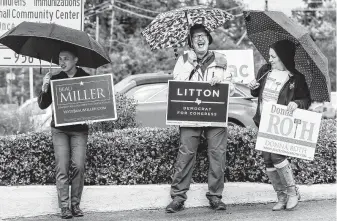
295,89
45,99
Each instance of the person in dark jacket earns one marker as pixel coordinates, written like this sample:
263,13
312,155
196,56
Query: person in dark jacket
70,142
280,83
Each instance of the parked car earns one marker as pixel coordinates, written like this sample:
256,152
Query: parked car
150,91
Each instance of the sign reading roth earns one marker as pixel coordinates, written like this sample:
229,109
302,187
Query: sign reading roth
197,104
77,100
291,134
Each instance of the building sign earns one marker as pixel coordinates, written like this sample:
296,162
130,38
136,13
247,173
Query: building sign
77,100
291,134
197,104
69,13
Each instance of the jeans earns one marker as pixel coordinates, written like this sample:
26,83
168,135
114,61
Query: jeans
270,159
69,148
189,141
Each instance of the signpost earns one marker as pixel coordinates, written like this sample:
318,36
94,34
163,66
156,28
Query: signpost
291,134
77,100
197,104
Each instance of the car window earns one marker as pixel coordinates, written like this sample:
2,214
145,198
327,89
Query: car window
143,93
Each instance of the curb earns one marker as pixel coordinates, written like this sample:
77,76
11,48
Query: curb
27,201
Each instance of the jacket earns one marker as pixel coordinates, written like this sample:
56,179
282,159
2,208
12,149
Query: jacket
215,66
295,89
45,99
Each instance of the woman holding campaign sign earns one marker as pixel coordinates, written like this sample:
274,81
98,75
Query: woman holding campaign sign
280,83
70,142
203,65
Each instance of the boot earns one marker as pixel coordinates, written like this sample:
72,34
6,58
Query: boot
286,174
279,188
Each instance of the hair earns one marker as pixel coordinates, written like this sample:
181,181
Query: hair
69,48
285,50
192,31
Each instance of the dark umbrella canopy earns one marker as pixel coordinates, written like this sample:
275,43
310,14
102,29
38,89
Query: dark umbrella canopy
267,27
44,41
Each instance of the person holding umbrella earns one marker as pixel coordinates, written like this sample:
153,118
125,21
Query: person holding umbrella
68,48
69,142
280,83
200,64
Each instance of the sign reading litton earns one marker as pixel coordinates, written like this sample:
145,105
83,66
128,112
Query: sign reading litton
77,100
292,134
67,13
197,104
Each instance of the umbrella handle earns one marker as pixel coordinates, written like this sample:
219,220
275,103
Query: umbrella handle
263,75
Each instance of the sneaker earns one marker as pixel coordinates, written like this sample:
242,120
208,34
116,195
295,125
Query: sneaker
76,211
65,213
175,206
217,204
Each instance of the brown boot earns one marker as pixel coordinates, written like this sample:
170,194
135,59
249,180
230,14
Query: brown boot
279,188
286,174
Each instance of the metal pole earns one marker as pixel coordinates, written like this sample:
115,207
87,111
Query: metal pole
111,24
266,5
97,27
97,34
31,83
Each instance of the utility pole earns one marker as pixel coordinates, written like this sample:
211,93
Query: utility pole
266,5
111,24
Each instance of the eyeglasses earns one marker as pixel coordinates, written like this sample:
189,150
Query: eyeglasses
199,36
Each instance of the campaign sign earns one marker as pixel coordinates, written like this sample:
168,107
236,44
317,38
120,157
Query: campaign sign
240,65
76,100
287,133
197,104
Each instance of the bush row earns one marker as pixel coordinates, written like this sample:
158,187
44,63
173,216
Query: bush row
147,156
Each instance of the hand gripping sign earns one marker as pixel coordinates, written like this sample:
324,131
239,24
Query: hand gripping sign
77,100
291,134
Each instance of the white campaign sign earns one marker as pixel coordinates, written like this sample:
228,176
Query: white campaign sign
240,63
291,134
68,13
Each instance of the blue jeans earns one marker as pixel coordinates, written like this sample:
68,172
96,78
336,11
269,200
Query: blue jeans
70,150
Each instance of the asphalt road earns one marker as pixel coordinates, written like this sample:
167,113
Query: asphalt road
306,211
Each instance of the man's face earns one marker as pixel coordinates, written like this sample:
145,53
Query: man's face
200,41
67,61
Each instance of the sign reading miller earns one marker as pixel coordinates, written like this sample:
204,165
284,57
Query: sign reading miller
77,100
197,104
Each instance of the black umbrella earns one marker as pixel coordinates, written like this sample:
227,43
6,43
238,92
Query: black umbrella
266,27
44,41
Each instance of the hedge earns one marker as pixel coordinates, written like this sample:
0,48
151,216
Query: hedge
147,156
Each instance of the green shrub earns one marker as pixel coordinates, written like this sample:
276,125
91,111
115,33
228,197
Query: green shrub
126,112
147,156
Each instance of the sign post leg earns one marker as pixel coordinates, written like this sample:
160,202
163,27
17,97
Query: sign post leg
31,85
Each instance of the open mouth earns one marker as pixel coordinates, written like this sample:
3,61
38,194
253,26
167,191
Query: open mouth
201,44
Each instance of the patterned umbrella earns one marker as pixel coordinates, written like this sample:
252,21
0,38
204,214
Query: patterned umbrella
170,29
267,27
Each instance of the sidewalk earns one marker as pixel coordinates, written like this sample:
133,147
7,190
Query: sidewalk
306,211
28,201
